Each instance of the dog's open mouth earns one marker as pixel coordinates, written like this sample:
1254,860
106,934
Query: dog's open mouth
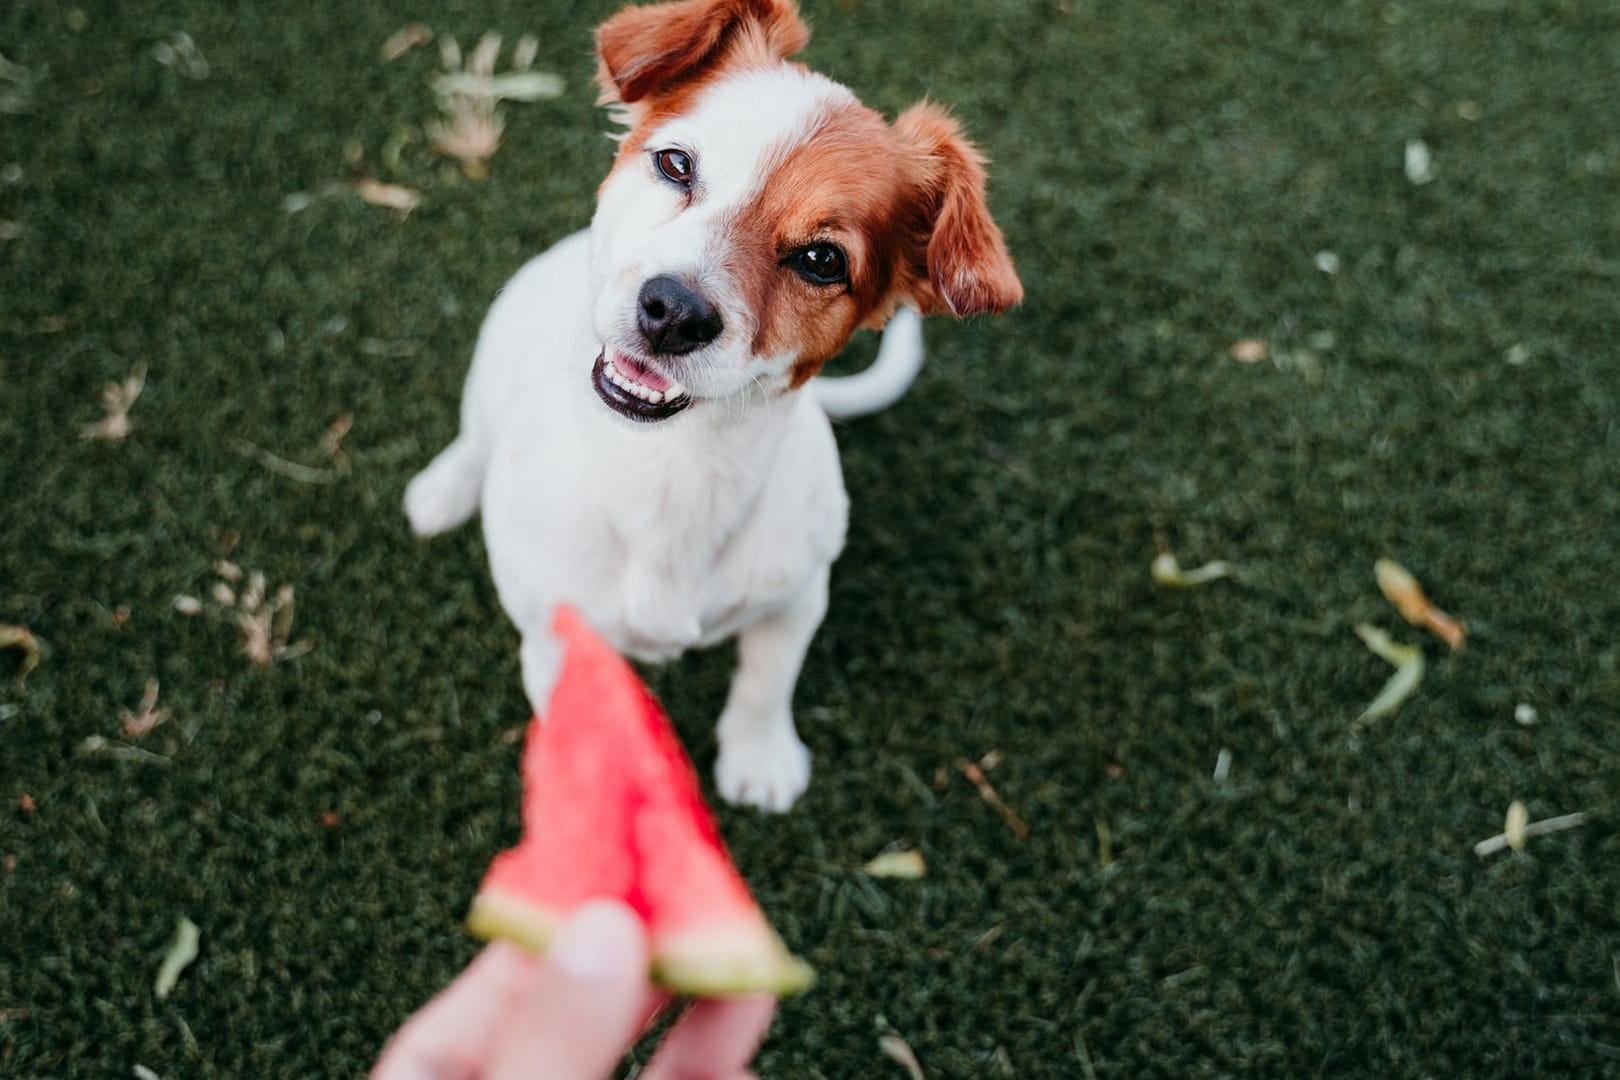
636,390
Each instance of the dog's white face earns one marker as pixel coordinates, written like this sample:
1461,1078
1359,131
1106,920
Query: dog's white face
757,214
692,258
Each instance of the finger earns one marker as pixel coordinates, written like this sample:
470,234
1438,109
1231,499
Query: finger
587,1003
717,1037
450,1035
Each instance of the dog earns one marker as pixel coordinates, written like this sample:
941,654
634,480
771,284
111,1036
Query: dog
643,429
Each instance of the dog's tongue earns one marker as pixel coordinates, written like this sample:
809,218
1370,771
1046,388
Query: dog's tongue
641,373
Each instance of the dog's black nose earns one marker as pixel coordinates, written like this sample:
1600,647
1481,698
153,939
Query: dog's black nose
673,318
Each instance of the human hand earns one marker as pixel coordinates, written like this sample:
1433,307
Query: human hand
570,1014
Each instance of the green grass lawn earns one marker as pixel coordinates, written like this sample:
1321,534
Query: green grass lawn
1172,178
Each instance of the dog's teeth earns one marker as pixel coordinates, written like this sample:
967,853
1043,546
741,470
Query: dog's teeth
640,390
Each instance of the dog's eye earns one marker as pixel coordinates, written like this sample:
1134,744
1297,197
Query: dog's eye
822,264
676,165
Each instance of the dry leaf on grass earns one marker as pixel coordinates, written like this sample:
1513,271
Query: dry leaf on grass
897,1049
523,56
988,793
282,467
469,98
263,620
17,84
512,86
1167,571
266,624
117,399
1418,161
13,636
393,196
179,52
182,951
1249,350
1408,661
1513,827
1517,831
148,716
332,441
906,865
1402,589
405,39
100,744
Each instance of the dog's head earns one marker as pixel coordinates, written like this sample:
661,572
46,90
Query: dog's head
757,214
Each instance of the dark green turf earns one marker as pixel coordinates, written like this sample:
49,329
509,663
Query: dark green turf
1166,173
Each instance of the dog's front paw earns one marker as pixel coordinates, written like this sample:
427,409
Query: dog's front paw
768,769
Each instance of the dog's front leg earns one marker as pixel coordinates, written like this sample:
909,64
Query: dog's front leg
541,655
762,762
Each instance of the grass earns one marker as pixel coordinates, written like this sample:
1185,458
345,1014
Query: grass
1167,175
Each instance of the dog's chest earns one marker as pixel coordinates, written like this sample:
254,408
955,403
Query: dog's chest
665,546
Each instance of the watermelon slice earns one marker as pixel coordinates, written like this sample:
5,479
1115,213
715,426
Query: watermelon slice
611,808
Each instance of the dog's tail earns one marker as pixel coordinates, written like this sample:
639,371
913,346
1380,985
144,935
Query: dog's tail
899,359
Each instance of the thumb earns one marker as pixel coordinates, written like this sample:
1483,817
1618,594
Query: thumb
587,1004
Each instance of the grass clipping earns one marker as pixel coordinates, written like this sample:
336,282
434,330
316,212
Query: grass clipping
1408,661
1167,572
905,865
1400,587
182,951
13,636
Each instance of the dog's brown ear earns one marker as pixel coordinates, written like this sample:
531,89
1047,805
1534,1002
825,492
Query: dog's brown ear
643,49
962,265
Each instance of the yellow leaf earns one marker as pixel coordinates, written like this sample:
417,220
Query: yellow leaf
393,196
182,951
908,865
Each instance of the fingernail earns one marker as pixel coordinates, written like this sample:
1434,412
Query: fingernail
600,941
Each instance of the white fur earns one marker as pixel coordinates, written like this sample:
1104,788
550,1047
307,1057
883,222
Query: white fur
899,359
721,520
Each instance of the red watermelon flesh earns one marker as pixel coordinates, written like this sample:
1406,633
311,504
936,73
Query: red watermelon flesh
612,808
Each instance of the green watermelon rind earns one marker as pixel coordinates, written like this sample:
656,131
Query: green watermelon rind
701,966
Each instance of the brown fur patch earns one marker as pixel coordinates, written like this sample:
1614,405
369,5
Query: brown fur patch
843,185
643,51
907,204
965,267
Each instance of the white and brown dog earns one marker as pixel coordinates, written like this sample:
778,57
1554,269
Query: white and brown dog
636,428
